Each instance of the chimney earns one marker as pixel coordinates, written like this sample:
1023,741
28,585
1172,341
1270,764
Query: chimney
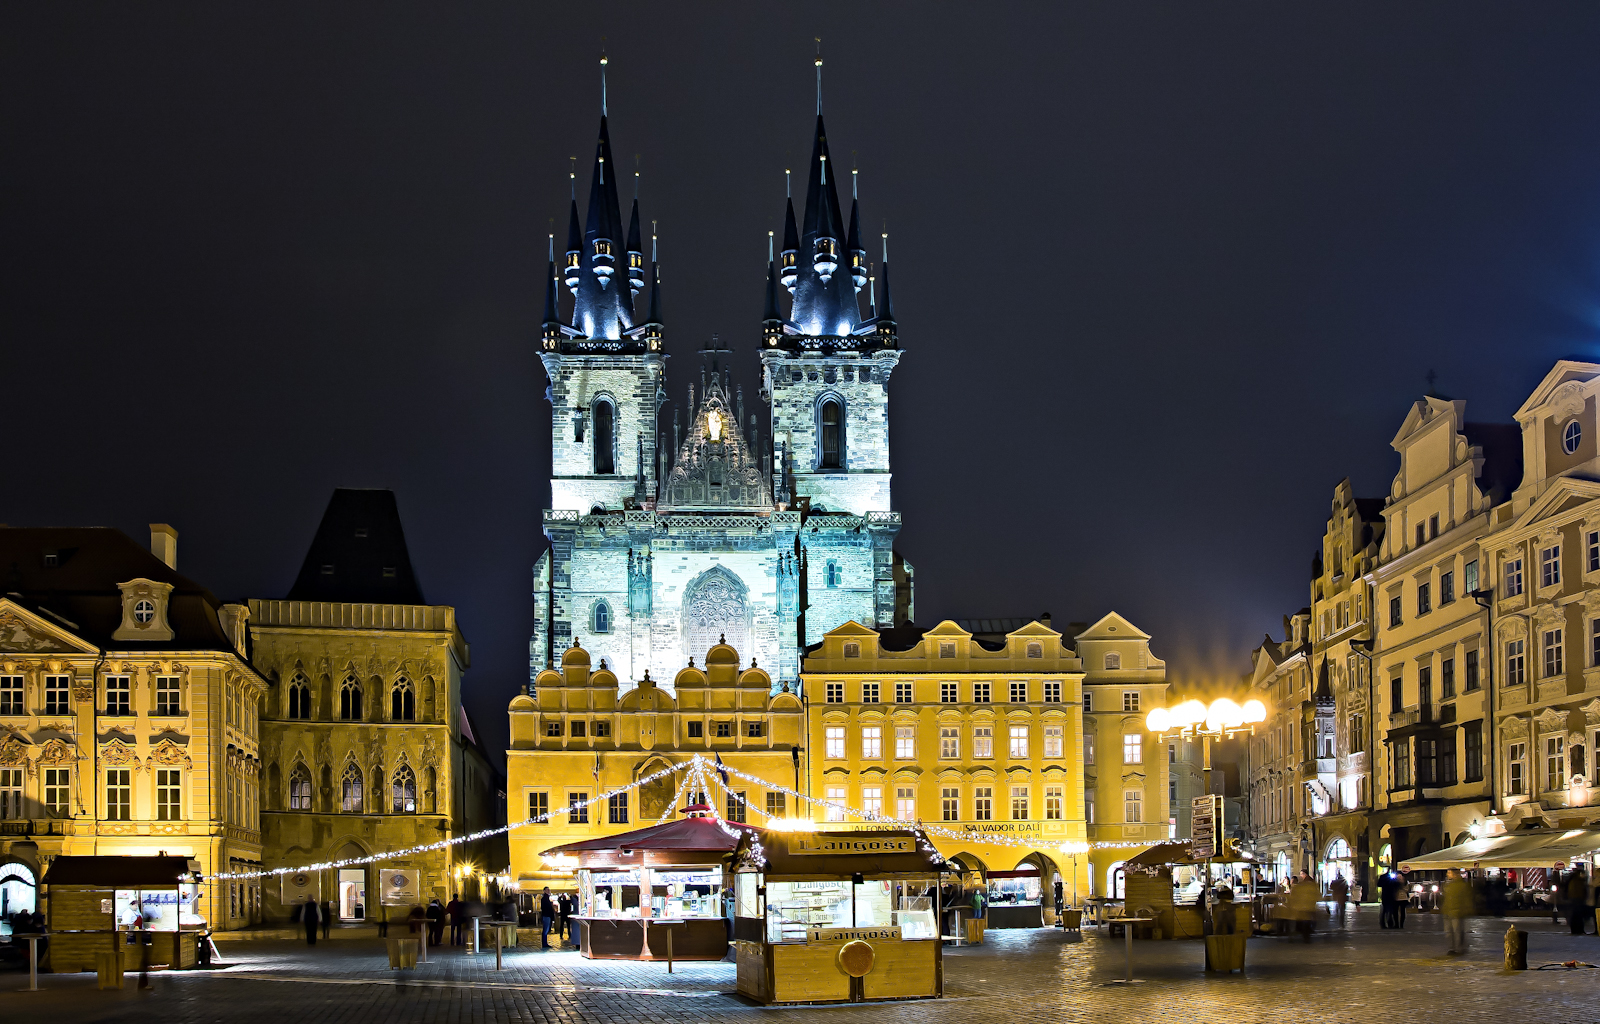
164,544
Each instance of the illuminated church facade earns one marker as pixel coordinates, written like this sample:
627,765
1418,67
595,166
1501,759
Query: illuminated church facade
665,540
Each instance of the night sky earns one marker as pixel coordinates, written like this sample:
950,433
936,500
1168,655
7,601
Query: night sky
1164,273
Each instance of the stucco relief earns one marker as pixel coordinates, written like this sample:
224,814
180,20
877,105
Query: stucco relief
118,754
16,634
169,753
57,751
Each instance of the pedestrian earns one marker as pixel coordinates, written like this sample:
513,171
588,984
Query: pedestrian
417,923
144,950
1577,901
547,916
308,917
566,915
1339,889
327,917
435,922
457,911
1457,907
1303,904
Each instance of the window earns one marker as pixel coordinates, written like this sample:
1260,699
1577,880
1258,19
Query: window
1036,650
835,798
1402,764
1424,685
1052,741
949,742
1019,692
118,695
696,730
1447,679
1088,703
1132,748
1054,798
1550,566
554,728
600,618
11,696
753,730
905,803
1433,526
1133,805
1422,535
403,702
169,803
1592,542
603,729
577,808
902,693
831,574
947,649
948,693
617,809
299,698
724,730
1052,691
852,650
831,450
1019,803
1469,577
905,742
1514,577
1447,759
300,789
1516,665
1394,611
350,701
11,793
872,800
1172,793
1019,743
1397,695
1472,671
57,803
143,612
736,805
57,690
980,693
1112,662
1447,588
350,789
983,741
1424,599
871,742
1555,763
1427,762
1552,652
983,803
776,804
1088,746
869,693
403,790
1571,437
1088,807
119,793
1130,701
605,454
835,693
834,738
950,803
1516,768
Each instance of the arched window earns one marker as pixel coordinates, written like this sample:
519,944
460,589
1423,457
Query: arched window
300,789
350,700
403,701
833,573
350,789
605,457
299,698
1036,650
830,427
405,790
600,620
1113,661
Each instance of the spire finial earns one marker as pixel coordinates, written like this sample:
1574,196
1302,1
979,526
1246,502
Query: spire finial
819,75
652,241
855,174
788,189
886,247
572,177
604,60
769,245
552,241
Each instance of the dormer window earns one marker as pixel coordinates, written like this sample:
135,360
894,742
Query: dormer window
602,247
1572,437
852,650
144,611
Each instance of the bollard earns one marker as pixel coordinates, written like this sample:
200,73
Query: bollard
1516,949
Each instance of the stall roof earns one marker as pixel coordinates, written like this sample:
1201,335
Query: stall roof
684,834
842,854
1532,849
119,872
1181,852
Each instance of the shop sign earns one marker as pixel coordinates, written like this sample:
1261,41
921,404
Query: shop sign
299,885
1204,815
1006,827
853,934
399,885
835,845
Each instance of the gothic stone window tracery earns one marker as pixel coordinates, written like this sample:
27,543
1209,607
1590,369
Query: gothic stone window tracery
716,605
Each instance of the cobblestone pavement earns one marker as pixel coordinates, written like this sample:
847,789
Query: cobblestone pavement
1356,973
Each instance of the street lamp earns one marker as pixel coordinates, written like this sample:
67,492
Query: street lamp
1074,848
1221,720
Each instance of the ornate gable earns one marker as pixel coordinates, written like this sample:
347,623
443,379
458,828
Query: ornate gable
23,632
715,468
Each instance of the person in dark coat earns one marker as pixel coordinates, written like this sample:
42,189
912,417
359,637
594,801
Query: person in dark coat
309,915
566,908
547,916
1577,900
435,922
457,911
327,917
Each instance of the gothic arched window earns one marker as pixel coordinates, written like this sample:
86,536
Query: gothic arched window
403,701
350,789
405,790
605,458
350,700
833,573
830,431
600,620
300,789
299,698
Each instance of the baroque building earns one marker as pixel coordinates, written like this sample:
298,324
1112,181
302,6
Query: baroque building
660,547
366,745
128,712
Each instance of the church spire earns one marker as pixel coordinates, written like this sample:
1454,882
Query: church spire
603,309
824,300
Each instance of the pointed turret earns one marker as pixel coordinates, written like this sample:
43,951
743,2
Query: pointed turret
574,246
885,304
602,310
858,255
791,247
824,301
635,252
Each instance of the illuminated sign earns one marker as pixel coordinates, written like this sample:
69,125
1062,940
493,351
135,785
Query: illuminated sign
866,844
852,934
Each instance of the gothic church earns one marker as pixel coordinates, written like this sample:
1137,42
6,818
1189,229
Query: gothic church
766,536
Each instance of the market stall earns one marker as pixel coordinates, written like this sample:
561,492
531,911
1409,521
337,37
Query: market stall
655,892
119,904
838,916
1015,899
1152,877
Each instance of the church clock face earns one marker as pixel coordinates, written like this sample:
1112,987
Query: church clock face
714,425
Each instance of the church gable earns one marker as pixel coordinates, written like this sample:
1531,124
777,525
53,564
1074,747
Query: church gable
714,467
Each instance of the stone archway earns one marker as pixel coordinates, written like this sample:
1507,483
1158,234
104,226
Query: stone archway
716,604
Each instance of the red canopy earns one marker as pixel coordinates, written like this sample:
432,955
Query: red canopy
684,834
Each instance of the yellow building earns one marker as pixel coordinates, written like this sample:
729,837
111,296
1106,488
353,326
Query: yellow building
577,738
129,715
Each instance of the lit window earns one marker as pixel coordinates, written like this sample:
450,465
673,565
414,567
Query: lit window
834,735
1019,743
1132,748
905,803
949,742
871,742
983,803
950,803
404,791
835,798
1054,798
905,742
300,789
350,789
1132,805
983,742
872,800
1019,803
1088,747
1052,741
578,808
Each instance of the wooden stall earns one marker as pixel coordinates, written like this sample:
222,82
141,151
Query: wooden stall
119,904
823,917
658,891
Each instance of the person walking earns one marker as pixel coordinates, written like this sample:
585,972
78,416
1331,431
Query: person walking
1577,900
327,917
308,917
1339,889
566,908
1303,904
435,922
457,911
1457,907
547,916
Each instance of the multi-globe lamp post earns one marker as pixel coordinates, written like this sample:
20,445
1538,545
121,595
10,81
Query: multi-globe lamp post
1222,719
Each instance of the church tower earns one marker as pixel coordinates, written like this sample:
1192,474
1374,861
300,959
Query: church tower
825,373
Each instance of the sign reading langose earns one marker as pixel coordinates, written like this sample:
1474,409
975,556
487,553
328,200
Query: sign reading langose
868,843
852,934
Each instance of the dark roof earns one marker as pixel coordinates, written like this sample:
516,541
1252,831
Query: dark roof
1502,457
121,872
81,587
359,554
703,834
861,852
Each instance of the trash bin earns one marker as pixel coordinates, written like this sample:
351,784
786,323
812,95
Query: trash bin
1225,952
108,968
402,954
